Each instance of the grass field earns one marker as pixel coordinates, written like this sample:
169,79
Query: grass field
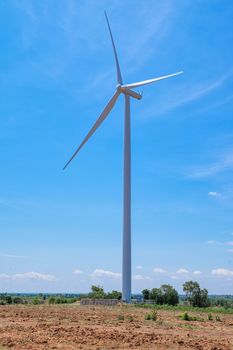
184,308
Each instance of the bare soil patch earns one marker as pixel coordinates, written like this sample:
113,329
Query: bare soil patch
71,327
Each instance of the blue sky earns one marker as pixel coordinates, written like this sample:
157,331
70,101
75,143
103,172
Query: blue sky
62,231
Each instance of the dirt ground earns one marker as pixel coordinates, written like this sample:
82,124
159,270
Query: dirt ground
71,327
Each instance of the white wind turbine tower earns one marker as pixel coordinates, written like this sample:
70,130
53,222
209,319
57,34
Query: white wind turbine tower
125,89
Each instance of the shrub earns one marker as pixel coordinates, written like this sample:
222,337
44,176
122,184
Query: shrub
36,301
154,315
151,316
218,318
17,300
210,317
52,300
185,316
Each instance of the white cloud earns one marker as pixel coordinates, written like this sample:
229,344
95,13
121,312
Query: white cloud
139,267
230,250
105,273
182,271
211,242
78,272
29,275
229,243
141,278
13,256
159,270
215,242
174,277
197,272
222,272
214,194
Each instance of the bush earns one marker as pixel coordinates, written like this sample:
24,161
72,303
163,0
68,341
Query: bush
151,316
52,300
17,300
186,317
36,301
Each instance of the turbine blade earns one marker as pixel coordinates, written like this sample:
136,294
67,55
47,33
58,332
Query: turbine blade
149,81
101,118
119,77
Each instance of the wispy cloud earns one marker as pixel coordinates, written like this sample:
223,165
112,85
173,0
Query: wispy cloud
139,267
222,272
182,271
214,194
204,89
159,270
29,276
77,272
99,273
187,94
141,278
212,242
223,164
223,244
197,273
14,256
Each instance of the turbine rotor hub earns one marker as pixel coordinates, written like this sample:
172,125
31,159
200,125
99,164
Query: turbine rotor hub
118,88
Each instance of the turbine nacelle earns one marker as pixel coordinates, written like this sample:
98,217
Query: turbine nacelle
124,90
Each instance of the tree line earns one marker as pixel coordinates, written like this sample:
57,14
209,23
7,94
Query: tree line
194,295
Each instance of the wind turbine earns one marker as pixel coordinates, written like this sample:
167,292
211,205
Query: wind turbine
126,90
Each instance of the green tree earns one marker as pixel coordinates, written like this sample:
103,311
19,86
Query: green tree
8,299
195,295
170,295
146,294
97,292
157,296
52,300
114,294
